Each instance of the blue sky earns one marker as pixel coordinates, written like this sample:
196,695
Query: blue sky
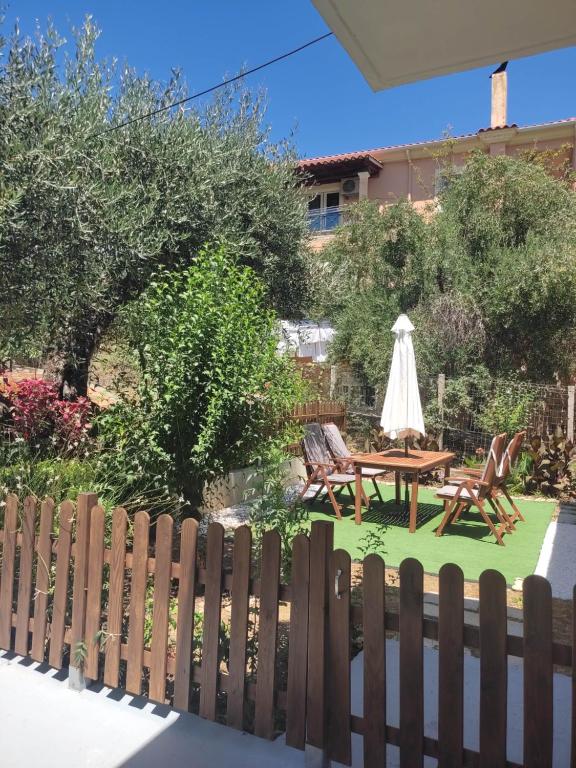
319,93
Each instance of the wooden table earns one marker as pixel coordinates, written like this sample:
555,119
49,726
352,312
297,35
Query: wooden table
395,460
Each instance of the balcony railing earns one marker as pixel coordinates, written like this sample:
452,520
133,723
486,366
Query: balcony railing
325,219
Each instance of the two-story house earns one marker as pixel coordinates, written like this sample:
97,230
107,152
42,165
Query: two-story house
412,171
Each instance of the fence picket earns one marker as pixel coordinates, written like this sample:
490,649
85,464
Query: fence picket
451,666
59,604
321,544
573,739
373,586
137,613
43,574
493,670
94,593
338,704
21,645
82,543
115,598
161,613
240,595
298,644
7,576
267,635
317,703
538,672
185,628
212,612
411,664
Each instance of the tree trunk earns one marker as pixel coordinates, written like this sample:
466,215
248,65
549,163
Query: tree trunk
76,362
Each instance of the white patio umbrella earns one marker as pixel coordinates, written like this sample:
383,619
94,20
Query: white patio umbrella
402,412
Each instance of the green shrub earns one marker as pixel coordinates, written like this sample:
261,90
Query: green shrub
549,466
507,409
275,509
213,387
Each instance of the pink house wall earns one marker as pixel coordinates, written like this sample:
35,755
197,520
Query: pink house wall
410,172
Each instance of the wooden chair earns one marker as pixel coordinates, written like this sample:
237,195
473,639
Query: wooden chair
507,461
342,456
323,469
477,492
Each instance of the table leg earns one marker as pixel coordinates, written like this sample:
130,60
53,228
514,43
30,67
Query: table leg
398,478
358,495
414,502
446,476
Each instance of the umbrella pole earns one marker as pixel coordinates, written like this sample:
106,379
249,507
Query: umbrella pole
406,501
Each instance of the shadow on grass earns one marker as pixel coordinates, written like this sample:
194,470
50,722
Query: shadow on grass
388,513
469,525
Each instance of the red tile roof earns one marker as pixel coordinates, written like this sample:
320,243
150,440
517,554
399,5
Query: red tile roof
330,159
308,162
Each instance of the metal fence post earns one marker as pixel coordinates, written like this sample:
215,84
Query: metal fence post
441,388
570,418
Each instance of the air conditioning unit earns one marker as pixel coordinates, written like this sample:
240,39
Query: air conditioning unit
350,186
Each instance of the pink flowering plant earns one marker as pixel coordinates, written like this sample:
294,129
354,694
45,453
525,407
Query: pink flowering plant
34,412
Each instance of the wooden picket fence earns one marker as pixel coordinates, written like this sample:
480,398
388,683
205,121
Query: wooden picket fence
83,597
321,411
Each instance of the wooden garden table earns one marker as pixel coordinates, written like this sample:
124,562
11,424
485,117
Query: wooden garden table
397,461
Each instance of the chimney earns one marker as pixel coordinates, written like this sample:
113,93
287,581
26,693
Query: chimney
498,117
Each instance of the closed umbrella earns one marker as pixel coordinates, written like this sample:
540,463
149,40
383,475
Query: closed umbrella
402,412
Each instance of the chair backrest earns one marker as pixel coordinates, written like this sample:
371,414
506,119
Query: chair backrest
336,444
490,473
510,455
314,444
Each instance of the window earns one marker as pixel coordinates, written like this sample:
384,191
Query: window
445,176
324,211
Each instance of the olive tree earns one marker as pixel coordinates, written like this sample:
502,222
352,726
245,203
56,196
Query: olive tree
87,214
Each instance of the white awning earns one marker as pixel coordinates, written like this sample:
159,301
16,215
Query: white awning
400,41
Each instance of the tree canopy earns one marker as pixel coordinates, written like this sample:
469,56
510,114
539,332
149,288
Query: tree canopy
87,214
488,276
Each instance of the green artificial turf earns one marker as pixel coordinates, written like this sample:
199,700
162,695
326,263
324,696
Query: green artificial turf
468,542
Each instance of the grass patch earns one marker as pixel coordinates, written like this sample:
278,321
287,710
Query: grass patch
468,543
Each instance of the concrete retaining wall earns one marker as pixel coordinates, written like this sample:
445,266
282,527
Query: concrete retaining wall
241,486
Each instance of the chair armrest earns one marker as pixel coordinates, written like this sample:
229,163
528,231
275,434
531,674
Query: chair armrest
320,464
468,471
465,481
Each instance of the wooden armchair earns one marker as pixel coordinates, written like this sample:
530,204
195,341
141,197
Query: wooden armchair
323,469
477,492
342,455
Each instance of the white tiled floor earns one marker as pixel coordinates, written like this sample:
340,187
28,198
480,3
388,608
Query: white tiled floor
557,561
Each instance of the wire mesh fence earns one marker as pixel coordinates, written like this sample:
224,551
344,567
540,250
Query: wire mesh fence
464,413
505,406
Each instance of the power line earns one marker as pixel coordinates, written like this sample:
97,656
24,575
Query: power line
212,88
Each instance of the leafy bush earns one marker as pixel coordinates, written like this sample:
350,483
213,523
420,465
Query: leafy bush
213,387
27,471
34,410
488,278
462,395
277,507
507,409
549,466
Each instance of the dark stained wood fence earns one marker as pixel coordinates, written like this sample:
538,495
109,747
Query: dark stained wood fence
320,411
136,620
